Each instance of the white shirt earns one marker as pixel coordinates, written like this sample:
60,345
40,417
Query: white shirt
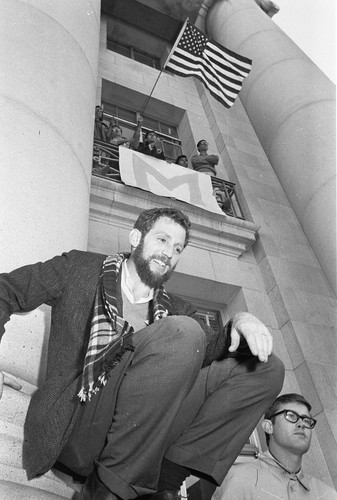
127,285
264,479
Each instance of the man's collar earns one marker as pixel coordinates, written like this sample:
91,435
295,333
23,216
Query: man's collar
302,478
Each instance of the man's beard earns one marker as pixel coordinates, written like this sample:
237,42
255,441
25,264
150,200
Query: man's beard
142,265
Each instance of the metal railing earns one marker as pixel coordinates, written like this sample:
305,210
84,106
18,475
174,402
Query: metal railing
171,143
229,202
106,164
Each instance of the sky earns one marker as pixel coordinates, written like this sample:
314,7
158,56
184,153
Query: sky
311,24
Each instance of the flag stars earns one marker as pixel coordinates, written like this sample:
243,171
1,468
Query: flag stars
221,71
193,41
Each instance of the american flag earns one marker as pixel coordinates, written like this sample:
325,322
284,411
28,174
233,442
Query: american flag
220,70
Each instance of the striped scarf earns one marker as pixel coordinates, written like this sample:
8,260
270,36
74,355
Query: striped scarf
111,335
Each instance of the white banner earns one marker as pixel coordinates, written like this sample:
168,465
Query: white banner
167,179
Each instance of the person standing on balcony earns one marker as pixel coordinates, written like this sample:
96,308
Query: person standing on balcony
101,129
115,134
139,392
151,146
277,473
204,162
182,160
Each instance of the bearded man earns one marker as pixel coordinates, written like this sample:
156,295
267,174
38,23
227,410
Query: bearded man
139,392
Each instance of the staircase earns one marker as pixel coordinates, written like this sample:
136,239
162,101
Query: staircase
13,480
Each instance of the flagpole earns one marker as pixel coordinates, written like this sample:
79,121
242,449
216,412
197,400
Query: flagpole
176,43
167,59
149,96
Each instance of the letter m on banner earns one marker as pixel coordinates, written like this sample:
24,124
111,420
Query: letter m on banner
165,179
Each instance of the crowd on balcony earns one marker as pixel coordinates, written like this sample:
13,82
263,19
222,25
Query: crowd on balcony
152,145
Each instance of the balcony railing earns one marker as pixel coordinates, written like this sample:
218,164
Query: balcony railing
106,164
127,119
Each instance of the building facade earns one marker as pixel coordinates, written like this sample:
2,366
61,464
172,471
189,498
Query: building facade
276,144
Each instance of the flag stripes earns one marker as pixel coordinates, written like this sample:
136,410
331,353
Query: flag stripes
220,70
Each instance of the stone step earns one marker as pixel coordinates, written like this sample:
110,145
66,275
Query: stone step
14,491
51,485
13,480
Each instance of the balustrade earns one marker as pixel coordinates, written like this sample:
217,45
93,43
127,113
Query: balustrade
106,164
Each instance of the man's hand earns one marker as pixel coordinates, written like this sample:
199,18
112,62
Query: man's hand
159,146
5,380
256,334
118,141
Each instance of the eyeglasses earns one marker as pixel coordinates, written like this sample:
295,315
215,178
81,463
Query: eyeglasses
294,417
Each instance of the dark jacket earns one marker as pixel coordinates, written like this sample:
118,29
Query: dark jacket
68,284
144,148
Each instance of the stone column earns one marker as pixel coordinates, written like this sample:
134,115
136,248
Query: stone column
291,105
48,68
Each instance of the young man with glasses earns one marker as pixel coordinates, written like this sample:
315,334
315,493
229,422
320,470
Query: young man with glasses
277,473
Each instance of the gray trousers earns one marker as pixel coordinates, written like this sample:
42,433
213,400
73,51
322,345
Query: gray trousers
168,406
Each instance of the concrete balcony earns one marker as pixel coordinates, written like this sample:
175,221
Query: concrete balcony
106,164
118,205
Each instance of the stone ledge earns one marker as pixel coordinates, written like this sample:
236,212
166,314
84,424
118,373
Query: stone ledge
13,479
115,204
14,485
15,491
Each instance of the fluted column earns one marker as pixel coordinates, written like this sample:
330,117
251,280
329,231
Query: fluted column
48,78
48,67
291,105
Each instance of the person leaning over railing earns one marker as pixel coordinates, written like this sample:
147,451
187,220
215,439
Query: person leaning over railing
151,146
115,134
182,160
101,129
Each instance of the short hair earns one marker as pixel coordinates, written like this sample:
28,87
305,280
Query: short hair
150,132
291,397
179,158
147,219
117,126
97,108
199,142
